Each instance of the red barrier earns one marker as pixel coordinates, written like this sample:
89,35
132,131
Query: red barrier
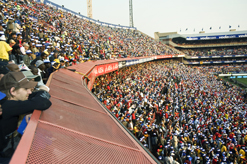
163,56
77,128
101,70
104,69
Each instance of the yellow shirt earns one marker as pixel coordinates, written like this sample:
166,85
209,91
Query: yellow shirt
245,138
223,149
4,49
56,60
241,151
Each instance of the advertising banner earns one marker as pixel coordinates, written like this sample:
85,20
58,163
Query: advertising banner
217,62
219,56
217,37
121,64
104,69
163,56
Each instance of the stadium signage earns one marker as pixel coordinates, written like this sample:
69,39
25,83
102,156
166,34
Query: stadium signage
103,69
163,56
216,62
216,37
222,56
121,64
132,62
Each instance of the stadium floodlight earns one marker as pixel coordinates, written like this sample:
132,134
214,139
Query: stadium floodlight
89,9
131,14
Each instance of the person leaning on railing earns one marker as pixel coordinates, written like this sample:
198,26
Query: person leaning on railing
19,100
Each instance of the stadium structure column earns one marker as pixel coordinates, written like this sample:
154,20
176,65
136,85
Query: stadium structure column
131,14
89,9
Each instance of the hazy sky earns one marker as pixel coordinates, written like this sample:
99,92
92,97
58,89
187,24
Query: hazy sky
168,15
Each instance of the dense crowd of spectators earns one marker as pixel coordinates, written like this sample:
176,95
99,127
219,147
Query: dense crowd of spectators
225,69
180,113
215,51
34,31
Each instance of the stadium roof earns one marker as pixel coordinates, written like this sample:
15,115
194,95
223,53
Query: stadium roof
205,36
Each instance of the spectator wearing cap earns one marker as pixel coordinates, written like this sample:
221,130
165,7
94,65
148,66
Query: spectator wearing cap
25,36
13,67
169,158
28,58
24,48
34,49
5,50
10,24
47,63
30,76
41,34
41,71
16,27
19,100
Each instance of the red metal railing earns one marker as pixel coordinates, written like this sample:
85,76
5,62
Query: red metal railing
77,128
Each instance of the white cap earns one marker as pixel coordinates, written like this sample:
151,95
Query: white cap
3,38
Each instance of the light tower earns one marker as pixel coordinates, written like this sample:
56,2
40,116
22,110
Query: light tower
131,13
89,9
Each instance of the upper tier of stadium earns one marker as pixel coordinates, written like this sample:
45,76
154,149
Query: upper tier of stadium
202,40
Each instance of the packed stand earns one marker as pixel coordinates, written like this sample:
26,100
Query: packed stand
180,113
215,51
227,69
33,31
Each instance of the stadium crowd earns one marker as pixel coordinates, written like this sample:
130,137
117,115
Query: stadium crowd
36,40
230,69
215,51
180,113
31,31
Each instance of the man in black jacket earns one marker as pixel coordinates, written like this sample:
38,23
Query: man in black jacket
19,100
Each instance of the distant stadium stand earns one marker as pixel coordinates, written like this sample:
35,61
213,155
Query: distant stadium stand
223,48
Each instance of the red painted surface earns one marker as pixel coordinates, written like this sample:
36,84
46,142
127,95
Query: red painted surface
77,128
